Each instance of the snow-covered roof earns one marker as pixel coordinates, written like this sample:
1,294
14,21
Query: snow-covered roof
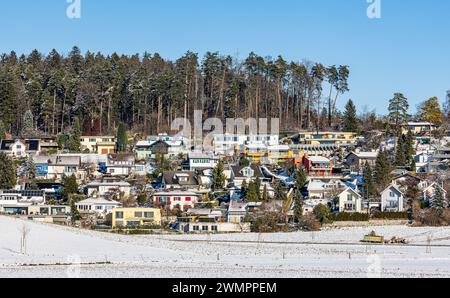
318,159
98,201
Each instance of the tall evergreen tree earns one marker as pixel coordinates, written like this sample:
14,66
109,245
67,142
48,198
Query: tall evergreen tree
350,118
2,131
122,138
298,207
252,195
265,194
438,200
28,124
74,143
400,159
8,172
301,178
410,151
218,177
382,170
398,112
368,188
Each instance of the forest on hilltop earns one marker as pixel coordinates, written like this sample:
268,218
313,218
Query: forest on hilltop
146,92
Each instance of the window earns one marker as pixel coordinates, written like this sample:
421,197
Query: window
349,198
138,214
92,140
149,214
392,194
205,228
214,228
119,214
196,228
98,208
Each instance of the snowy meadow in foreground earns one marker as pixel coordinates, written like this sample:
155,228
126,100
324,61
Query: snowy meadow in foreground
53,251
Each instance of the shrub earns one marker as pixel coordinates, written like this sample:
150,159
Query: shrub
321,212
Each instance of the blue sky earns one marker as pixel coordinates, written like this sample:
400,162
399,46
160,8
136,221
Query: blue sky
407,50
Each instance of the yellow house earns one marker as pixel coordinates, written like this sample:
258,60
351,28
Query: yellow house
419,128
256,152
99,144
132,217
280,153
328,138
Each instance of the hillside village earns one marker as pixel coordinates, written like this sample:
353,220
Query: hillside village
248,183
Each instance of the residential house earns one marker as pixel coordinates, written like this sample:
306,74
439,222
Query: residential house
199,161
419,128
108,188
120,164
99,144
237,212
180,180
99,206
247,173
350,201
318,166
56,167
392,199
233,144
135,217
256,152
18,201
279,153
344,139
143,150
19,148
403,181
184,200
357,160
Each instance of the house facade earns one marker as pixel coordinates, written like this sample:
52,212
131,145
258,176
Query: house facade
392,199
350,201
317,166
181,199
99,144
98,206
135,217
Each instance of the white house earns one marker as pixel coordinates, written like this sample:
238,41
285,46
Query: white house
350,201
58,166
120,164
229,144
19,148
108,187
202,161
392,199
97,205
18,201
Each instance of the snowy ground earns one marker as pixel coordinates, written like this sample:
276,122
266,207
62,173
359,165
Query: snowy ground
54,251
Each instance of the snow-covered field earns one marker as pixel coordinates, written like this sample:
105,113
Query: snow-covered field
54,251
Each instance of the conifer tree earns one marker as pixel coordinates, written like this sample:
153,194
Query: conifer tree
122,138
368,183
252,195
8,172
398,112
400,159
218,177
382,170
350,118
28,124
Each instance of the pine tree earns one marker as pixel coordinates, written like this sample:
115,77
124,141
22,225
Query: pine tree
265,194
413,166
252,195
70,187
8,172
2,131
74,213
74,143
400,159
244,189
438,201
218,177
398,112
29,168
300,178
258,187
28,124
382,170
350,118
368,183
298,207
122,138
410,151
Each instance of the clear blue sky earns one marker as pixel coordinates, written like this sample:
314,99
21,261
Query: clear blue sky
407,50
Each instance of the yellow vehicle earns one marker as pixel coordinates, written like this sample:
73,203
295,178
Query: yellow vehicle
373,238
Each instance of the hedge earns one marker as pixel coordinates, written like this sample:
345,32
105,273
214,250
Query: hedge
349,217
391,215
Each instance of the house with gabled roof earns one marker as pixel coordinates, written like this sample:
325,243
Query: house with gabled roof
392,199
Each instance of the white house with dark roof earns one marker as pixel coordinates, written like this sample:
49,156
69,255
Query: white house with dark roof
97,205
392,199
350,201
58,166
